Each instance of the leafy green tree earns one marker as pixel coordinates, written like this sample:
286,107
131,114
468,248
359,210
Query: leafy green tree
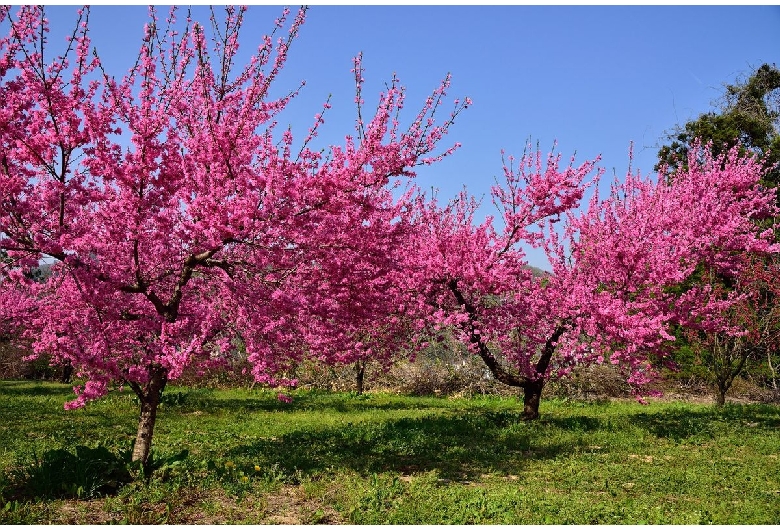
749,113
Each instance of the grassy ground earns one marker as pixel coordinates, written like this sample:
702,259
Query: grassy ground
240,456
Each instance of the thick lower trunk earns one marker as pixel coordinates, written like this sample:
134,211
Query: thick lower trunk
149,396
720,396
722,385
532,396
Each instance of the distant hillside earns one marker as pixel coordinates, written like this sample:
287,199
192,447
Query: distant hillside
537,271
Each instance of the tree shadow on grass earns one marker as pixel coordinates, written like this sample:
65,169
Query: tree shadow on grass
34,389
579,423
205,401
457,446
468,443
682,425
81,472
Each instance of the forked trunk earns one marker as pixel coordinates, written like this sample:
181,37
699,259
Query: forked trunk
532,388
723,383
149,395
532,396
724,355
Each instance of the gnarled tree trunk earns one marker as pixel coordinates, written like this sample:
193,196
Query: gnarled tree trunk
67,373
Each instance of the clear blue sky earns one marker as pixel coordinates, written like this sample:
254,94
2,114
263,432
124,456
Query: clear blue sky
592,78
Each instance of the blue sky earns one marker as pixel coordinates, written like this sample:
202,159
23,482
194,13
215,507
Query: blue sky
594,78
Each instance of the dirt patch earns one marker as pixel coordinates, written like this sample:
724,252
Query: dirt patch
81,512
289,505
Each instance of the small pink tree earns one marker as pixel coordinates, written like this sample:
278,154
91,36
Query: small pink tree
618,267
477,278
178,221
633,253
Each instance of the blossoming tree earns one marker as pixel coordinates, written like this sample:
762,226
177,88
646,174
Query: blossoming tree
618,267
178,219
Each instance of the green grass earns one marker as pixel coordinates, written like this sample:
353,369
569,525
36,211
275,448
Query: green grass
381,458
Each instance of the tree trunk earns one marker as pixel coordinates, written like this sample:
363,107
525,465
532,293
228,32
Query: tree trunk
67,373
771,369
532,388
532,396
360,372
724,354
720,394
149,396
